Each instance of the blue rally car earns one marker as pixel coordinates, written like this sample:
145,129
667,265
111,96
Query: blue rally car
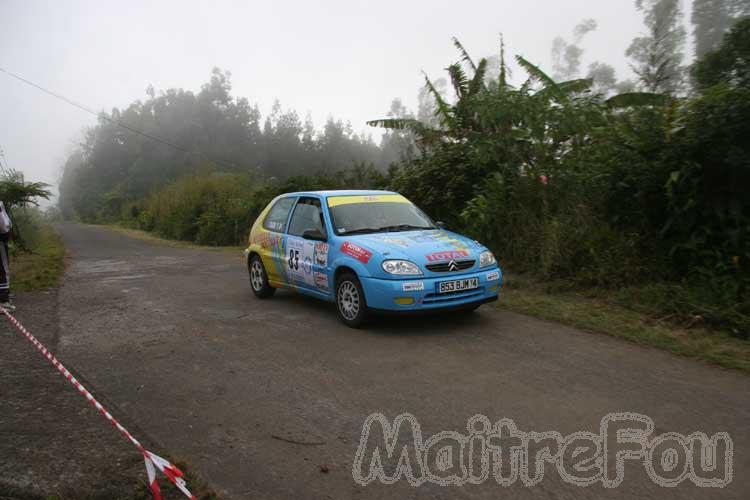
367,251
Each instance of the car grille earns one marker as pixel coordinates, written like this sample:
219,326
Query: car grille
444,267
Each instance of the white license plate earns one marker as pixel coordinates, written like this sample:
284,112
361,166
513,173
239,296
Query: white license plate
458,285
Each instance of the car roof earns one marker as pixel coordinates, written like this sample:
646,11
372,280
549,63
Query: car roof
339,192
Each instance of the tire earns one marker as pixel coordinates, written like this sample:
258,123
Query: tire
350,301
259,278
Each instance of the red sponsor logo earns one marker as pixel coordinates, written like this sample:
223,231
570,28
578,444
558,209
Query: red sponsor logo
447,255
361,254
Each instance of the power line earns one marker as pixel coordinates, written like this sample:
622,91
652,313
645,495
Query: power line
111,120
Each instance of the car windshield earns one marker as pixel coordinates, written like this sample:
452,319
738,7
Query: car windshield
377,216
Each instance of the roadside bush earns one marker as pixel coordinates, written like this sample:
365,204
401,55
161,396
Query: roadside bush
28,229
218,209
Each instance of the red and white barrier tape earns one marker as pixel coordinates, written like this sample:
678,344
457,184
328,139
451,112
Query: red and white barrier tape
152,460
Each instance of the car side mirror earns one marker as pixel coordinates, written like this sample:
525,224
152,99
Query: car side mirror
313,234
440,224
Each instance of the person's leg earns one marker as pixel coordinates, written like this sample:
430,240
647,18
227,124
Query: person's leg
4,272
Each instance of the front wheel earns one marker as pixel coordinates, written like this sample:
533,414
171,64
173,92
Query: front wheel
350,301
259,279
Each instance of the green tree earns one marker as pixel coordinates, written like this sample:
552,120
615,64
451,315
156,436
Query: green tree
729,63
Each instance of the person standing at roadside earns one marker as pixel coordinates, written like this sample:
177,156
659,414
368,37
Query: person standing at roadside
5,226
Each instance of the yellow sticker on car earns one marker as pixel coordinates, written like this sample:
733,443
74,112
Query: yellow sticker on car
379,198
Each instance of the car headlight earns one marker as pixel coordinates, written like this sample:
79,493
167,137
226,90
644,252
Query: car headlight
486,259
400,267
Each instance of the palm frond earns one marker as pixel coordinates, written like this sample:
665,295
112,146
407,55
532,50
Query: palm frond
409,124
424,135
576,86
464,55
393,123
535,73
16,192
443,110
477,82
458,79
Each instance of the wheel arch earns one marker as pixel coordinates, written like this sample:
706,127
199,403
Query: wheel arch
250,256
343,263
341,269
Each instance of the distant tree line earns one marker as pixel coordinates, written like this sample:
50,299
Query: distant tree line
134,151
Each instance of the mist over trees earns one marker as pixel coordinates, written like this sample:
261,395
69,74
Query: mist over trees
566,56
178,132
712,18
657,55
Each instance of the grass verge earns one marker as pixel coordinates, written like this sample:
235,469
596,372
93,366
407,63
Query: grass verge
40,268
150,237
598,314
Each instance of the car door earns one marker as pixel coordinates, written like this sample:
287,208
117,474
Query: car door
307,246
273,249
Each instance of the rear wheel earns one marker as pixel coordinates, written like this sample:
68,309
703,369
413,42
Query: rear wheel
259,278
350,301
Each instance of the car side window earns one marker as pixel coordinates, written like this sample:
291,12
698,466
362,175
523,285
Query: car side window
278,215
308,215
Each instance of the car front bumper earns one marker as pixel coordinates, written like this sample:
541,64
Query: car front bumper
422,293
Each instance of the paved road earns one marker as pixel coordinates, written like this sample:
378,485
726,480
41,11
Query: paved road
175,339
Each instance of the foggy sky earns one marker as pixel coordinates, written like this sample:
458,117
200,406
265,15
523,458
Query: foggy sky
344,58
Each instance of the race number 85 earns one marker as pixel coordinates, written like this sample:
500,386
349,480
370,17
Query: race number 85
293,259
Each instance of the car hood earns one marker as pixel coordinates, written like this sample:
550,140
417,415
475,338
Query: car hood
421,247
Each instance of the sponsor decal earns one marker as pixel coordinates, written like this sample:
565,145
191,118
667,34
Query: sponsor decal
299,259
394,240
413,286
440,238
272,242
447,255
493,276
321,281
424,238
266,240
361,254
321,254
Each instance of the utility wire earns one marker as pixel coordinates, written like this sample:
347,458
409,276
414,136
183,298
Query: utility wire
116,122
